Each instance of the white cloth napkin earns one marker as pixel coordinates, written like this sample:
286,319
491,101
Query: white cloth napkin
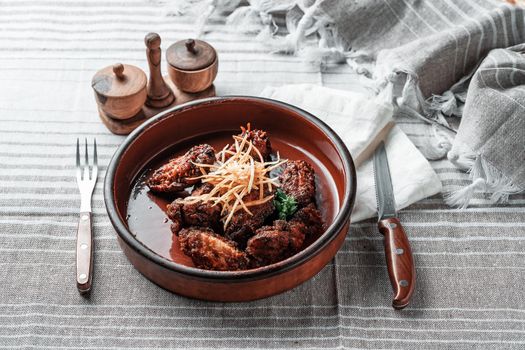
362,121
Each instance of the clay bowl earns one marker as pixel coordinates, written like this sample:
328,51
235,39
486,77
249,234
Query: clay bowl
139,220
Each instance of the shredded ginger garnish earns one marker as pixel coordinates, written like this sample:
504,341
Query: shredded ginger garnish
236,177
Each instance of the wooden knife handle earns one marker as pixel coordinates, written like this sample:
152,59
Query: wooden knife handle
84,253
399,261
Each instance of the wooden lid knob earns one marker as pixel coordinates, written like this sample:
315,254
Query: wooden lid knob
118,69
190,46
191,55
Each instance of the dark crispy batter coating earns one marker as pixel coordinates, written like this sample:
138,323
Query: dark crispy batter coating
201,189
174,212
174,176
298,181
260,141
210,251
272,244
200,213
243,225
310,218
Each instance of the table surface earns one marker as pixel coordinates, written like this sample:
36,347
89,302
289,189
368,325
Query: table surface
470,263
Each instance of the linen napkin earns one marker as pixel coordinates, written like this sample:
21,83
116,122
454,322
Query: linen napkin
362,122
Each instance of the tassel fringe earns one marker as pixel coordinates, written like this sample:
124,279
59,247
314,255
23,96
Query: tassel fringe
450,103
461,198
245,19
206,11
485,178
445,104
464,160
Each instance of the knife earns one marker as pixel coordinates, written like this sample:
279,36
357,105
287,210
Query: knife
398,254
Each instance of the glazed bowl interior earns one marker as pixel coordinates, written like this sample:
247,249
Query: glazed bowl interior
138,215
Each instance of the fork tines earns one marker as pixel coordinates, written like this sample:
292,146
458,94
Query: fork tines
83,174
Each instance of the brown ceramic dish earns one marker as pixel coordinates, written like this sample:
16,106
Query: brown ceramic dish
144,235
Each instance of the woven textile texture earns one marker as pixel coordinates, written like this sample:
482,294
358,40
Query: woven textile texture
470,263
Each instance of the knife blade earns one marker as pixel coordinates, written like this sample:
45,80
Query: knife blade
398,254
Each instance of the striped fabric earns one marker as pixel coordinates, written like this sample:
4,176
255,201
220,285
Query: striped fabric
494,112
435,42
470,263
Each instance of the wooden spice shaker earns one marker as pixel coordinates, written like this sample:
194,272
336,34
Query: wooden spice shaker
160,94
120,90
192,65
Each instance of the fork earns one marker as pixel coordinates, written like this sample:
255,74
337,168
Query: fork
86,181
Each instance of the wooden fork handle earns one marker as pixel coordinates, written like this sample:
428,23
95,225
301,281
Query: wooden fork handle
84,253
399,261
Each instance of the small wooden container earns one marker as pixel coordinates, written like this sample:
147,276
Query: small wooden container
192,65
120,90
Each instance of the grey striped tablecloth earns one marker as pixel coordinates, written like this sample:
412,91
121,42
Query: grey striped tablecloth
470,263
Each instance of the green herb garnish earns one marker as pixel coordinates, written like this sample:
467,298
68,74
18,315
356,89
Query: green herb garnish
286,206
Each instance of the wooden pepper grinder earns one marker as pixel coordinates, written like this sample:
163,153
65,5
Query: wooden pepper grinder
159,93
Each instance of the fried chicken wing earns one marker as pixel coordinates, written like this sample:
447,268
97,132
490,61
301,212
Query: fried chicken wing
298,181
200,213
210,251
260,141
243,225
310,218
177,174
272,244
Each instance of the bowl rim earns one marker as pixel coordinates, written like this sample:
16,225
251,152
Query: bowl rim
341,219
